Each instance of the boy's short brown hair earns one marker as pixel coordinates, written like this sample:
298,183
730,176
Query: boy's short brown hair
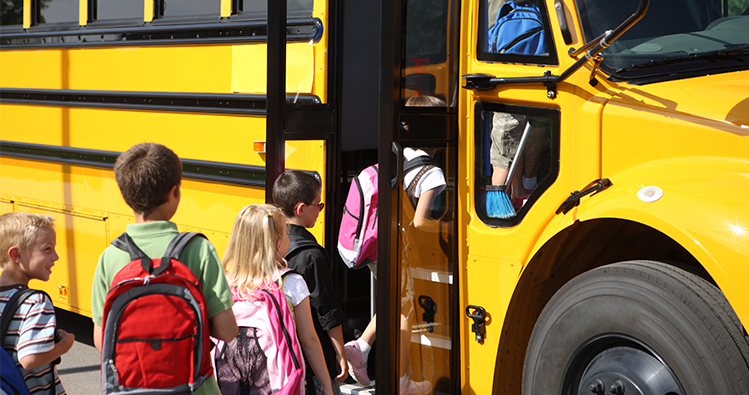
145,173
19,229
292,187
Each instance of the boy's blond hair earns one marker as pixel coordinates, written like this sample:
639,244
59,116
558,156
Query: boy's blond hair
19,229
251,261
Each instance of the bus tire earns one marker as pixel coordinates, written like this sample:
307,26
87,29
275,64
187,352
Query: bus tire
637,327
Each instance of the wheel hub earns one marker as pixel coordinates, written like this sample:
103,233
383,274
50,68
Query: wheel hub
627,370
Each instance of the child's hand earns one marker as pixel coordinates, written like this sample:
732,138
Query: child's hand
64,340
342,368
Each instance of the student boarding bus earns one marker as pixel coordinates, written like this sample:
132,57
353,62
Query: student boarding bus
593,233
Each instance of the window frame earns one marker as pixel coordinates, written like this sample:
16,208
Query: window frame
481,158
483,31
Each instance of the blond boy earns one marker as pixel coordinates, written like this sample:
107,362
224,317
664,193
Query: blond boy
27,243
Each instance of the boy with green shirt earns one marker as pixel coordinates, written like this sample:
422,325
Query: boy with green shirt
149,177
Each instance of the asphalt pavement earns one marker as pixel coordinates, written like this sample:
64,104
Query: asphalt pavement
79,369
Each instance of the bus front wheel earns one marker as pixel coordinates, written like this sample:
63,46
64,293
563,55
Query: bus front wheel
637,327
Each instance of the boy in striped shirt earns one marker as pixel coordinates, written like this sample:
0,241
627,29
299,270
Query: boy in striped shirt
27,251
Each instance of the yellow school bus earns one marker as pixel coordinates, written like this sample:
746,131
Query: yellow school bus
84,81
592,231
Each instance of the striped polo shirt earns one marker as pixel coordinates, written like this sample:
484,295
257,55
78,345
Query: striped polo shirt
32,331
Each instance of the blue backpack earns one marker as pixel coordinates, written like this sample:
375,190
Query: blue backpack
12,379
518,30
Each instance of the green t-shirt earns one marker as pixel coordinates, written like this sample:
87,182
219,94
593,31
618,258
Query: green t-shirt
153,238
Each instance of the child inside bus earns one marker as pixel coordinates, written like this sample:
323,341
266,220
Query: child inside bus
426,190
27,242
149,176
298,195
254,257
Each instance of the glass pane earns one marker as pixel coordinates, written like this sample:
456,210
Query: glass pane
676,31
517,151
515,32
11,12
56,11
119,9
430,44
261,6
191,8
425,266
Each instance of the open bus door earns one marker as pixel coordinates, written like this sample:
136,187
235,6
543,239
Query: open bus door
421,249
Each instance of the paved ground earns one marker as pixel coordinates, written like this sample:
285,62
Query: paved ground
79,370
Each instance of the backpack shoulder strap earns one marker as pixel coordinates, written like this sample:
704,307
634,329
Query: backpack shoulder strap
12,306
175,248
286,335
422,160
125,243
300,243
412,186
178,244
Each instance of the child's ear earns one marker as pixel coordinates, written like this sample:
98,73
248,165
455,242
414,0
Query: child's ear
299,209
175,192
14,253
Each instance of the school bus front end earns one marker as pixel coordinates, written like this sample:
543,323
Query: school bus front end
620,265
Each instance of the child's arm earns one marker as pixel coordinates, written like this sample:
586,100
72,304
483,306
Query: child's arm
424,208
311,344
223,326
97,337
34,361
336,338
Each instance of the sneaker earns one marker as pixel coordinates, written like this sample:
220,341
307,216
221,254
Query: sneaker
357,366
416,388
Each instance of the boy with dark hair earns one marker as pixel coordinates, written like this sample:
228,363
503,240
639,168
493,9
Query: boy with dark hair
297,194
27,244
149,176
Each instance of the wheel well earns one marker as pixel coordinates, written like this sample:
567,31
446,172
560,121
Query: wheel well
581,247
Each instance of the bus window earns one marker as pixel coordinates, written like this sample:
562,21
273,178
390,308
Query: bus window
12,13
430,44
515,32
517,154
169,8
57,11
119,9
260,7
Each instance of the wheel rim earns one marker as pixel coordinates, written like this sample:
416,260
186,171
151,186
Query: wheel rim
619,365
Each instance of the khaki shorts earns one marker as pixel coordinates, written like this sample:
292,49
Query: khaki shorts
507,130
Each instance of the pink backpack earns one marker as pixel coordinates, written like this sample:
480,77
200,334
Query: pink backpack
266,356
357,238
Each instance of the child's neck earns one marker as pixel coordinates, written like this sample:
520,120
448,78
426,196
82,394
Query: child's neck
159,214
11,277
295,221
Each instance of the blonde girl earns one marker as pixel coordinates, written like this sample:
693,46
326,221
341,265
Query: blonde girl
254,260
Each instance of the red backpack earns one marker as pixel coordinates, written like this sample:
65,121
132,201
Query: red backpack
155,328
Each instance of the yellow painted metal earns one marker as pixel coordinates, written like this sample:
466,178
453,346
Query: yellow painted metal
226,8
147,10
310,155
27,14
82,12
206,68
689,137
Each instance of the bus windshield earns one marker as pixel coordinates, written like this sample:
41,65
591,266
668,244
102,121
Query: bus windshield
675,39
